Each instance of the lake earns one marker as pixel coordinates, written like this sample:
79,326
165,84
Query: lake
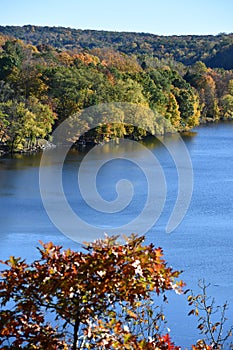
201,246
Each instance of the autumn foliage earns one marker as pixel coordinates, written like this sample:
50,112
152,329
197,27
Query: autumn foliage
42,85
107,295
102,297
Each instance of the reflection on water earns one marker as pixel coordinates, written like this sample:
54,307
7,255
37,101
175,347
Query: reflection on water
202,245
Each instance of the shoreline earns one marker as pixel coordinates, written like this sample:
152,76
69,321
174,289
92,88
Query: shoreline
5,149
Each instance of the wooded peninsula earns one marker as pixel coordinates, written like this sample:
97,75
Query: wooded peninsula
50,73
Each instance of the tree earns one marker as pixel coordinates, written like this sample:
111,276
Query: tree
13,115
173,113
188,107
7,66
24,121
120,61
105,296
6,92
99,296
30,82
11,58
230,87
207,83
227,106
211,319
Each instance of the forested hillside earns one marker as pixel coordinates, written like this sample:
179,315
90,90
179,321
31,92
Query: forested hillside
186,49
53,73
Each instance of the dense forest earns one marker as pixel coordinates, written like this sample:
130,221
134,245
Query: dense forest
214,51
48,74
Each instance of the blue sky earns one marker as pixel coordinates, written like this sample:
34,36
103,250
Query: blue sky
163,17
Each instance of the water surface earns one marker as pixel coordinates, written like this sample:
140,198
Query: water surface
202,245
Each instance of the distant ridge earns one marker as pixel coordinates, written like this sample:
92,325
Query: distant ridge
213,50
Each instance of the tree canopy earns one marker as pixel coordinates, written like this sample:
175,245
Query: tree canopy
107,295
97,298
214,50
42,85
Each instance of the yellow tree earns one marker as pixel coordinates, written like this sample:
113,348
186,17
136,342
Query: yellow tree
172,112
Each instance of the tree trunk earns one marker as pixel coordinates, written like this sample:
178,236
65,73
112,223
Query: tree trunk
76,328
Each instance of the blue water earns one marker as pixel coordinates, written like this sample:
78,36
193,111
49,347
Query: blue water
201,246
